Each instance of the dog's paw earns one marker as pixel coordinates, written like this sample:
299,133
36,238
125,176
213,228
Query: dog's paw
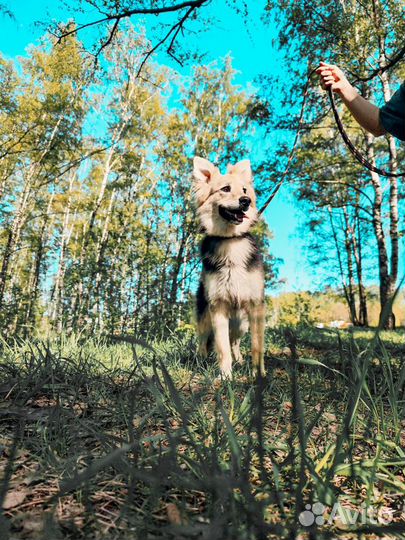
262,373
226,375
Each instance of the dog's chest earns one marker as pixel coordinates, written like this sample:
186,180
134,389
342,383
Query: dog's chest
233,253
233,270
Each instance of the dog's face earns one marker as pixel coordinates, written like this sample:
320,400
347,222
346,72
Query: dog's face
226,202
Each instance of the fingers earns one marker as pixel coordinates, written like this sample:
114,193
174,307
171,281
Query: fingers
325,72
333,77
329,75
327,69
322,67
327,79
325,64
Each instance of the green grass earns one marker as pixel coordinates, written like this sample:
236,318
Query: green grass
103,439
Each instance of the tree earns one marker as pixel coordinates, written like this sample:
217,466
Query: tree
115,13
43,119
307,31
98,229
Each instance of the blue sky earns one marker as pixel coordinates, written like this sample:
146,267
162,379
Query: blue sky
253,55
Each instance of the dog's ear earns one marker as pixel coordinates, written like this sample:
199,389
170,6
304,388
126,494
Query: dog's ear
243,169
203,169
203,172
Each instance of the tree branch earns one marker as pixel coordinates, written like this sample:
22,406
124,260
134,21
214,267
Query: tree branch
399,55
176,29
190,5
193,4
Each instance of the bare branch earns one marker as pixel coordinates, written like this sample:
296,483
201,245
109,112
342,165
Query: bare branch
194,4
190,6
176,29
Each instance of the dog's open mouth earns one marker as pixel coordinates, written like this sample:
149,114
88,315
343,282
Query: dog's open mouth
234,215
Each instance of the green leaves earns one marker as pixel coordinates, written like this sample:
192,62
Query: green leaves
105,211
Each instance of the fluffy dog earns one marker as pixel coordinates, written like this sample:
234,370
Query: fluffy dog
231,291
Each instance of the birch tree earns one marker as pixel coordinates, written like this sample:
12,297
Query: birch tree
364,35
46,114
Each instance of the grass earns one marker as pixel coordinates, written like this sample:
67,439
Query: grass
118,440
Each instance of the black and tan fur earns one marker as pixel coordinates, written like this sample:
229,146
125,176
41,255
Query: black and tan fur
231,292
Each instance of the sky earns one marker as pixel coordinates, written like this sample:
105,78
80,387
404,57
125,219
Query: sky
253,55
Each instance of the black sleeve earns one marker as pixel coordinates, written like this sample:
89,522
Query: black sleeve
392,114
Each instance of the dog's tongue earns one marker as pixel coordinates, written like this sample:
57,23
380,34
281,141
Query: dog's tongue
240,216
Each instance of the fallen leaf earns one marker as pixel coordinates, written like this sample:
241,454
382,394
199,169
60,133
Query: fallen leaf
13,499
173,514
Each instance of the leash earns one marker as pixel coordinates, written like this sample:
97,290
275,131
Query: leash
356,153
292,152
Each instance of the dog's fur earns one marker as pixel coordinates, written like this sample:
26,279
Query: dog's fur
231,290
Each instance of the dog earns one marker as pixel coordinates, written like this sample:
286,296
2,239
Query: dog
230,295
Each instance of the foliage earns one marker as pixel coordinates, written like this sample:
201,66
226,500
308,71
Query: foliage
295,309
325,308
351,217
98,228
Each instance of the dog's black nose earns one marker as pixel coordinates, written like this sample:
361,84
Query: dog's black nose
244,202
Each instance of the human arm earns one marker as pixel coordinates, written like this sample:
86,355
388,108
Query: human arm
365,113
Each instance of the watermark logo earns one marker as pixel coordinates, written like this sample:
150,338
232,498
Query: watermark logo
316,514
313,513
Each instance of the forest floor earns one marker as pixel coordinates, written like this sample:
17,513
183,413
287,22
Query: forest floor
125,441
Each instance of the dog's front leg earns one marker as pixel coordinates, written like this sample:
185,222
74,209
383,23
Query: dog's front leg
220,325
257,320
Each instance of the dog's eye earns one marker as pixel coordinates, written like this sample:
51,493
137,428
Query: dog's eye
227,189
244,190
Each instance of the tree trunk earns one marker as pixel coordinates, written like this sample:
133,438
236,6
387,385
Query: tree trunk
34,285
349,298
386,315
96,277
388,278
57,293
357,250
13,238
394,218
177,263
350,271
21,212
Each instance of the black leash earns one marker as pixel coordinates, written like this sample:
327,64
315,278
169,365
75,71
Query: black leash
356,153
297,133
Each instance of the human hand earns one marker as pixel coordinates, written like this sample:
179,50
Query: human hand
333,77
